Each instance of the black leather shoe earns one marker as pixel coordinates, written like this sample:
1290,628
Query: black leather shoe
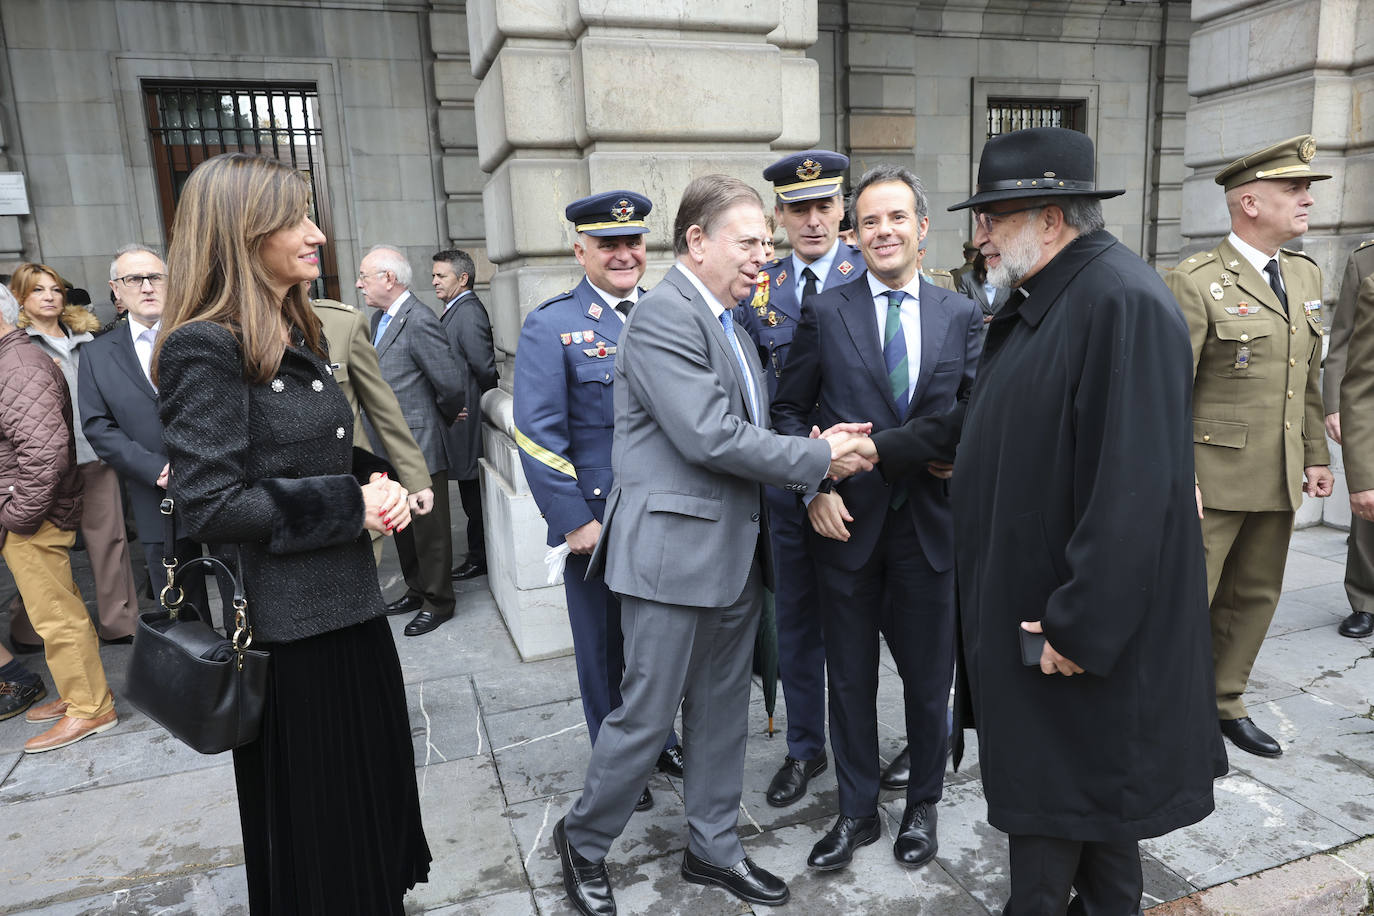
426,621
587,883
1357,626
916,842
1247,736
836,848
744,879
469,570
898,772
646,800
118,641
406,604
670,762
789,782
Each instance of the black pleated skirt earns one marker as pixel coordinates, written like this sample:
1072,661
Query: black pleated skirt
327,794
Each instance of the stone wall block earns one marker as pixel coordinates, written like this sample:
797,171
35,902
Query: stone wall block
526,101
448,32
883,131
465,219
697,82
890,90
1222,129
1210,10
662,177
744,17
453,81
799,102
462,174
69,25
882,50
798,26
522,187
1357,206
526,287
484,39
457,127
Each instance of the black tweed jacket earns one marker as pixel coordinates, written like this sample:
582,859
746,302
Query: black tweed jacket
272,468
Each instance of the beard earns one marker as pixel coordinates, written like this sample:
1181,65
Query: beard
1017,257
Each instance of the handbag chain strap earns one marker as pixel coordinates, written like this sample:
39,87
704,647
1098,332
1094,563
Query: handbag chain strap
173,596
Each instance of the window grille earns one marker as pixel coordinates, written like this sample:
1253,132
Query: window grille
1008,114
189,122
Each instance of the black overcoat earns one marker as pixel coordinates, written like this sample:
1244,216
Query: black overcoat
270,467
1073,504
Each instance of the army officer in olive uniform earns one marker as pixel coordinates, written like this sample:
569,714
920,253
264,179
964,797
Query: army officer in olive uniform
1254,313
564,422
1359,559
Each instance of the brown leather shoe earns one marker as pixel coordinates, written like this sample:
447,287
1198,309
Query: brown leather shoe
69,731
47,712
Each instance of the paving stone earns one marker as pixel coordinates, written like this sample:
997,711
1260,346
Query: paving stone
1161,881
542,750
106,759
1305,571
444,721
1320,541
474,852
1324,664
530,684
1294,614
513,903
1253,828
118,837
221,891
652,834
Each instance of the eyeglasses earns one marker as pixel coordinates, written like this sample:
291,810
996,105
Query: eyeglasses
989,219
136,281
363,275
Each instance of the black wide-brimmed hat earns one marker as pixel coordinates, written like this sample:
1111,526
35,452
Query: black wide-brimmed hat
1036,162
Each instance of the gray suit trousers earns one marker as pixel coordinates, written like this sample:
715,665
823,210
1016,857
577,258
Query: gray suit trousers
701,658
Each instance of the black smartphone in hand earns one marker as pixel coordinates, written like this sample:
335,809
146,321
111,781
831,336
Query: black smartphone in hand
1032,645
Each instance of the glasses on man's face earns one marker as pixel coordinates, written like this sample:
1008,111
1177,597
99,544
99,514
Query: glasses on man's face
990,219
136,281
363,275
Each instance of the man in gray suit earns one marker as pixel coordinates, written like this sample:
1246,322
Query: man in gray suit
419,366
468,330
684,544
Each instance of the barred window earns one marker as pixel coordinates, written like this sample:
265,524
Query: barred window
189,122
1008,114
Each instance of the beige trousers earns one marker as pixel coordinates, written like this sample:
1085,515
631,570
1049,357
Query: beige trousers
41,566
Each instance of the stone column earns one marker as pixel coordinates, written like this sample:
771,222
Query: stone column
1262,71
583,95
1163,235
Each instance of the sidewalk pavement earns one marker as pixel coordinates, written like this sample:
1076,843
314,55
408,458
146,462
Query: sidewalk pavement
132,822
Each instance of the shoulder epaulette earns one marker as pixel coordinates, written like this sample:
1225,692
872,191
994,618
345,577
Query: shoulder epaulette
1365,244
333,304
1198,261
1299,254
566,294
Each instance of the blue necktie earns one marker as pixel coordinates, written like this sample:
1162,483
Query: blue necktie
381,328
728,321
894,351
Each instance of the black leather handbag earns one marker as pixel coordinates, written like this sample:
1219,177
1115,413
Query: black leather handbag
204,688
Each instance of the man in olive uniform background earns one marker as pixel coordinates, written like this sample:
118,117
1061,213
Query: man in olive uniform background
1359,560
1255,318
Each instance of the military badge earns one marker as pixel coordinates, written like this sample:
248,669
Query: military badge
587,336
809,170
760,301
566,338
844,268
1216,291
1307,150
595,311
782,275
1226,280
1242,357
772,319
600,351
1243,309
623,210
1314,306
1232,263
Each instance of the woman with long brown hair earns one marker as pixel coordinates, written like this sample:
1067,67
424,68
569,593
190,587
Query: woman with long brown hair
262,457
62,330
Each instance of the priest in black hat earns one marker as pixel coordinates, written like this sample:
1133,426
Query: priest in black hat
1086,661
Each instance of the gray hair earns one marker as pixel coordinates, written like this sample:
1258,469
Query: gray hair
462,263
880,174
1082,213
705,201
390,259
9,306
129,249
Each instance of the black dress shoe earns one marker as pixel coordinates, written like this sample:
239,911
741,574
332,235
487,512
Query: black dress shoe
744,879
789,782
469,570
836,848
646,800
1247,736
587,883
426,621
670,761
1357,626
117,641
916,841
898,772
406,604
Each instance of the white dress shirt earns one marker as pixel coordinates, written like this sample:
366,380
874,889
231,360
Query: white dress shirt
820,267
613,301
144,336
1258,259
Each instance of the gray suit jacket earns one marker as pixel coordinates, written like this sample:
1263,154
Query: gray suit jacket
468,330
419,366
683,520
969,286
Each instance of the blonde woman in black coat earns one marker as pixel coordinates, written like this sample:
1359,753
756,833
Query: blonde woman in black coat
261,447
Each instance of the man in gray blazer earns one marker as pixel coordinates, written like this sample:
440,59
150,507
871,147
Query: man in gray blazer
468,330
684,545
419,366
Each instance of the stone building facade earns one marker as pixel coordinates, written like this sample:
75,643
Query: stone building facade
426,123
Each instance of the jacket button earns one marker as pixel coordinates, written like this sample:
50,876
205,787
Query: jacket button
1294,329
339,433
1206,437
1290,392
1287,425
1244,338
754,517
596,492
1292,362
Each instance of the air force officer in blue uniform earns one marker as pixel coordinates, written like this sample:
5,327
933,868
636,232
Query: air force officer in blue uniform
564,419
809,204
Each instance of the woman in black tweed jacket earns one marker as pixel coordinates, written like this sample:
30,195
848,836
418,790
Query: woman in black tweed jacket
261,446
